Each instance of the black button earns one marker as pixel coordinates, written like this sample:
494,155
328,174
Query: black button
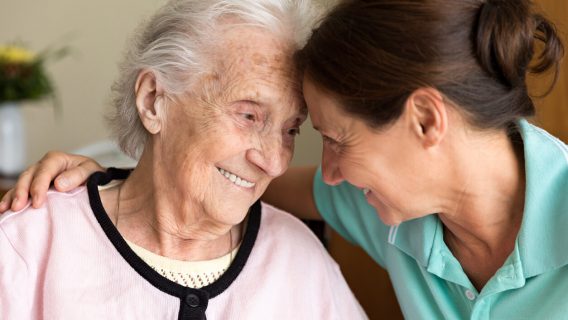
192,300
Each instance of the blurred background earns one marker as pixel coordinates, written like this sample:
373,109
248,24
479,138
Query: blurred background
96,32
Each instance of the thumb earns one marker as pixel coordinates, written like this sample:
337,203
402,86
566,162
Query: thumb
77,176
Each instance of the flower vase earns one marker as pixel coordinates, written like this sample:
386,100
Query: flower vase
12,140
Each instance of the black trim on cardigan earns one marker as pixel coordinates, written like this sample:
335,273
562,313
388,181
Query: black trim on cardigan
193,302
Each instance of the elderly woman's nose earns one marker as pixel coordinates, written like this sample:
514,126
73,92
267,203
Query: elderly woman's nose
331,173
270,156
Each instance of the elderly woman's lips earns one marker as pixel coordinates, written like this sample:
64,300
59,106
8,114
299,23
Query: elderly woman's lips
236,179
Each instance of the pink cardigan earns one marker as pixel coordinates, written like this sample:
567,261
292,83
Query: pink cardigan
66,260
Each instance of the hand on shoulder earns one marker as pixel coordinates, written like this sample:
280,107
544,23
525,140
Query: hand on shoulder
67,171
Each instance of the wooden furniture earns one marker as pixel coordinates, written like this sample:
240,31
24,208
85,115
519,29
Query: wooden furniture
369,282
552,111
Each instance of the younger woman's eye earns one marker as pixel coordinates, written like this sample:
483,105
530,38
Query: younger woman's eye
328,140
332,144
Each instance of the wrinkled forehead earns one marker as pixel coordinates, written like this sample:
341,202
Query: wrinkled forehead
255,64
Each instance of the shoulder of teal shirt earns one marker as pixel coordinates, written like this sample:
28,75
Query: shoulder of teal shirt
346,210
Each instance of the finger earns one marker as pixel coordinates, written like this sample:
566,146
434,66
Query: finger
52,164
39,185
20,193
77,176
18,202
6,201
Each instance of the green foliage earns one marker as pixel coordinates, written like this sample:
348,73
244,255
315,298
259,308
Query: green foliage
26,81
23,75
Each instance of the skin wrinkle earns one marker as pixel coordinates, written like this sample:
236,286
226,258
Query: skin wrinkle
205,119
176,122
204,122
264,68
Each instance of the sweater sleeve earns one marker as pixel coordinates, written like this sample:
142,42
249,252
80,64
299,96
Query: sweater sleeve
16,295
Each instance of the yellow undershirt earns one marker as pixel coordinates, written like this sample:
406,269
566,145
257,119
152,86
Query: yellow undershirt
193,274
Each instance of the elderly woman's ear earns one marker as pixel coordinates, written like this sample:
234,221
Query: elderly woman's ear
149,101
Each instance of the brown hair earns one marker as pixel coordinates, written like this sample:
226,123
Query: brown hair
371,55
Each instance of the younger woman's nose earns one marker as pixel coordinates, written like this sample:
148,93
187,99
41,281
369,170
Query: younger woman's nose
330,170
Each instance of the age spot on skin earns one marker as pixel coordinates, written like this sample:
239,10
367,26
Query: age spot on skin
259,59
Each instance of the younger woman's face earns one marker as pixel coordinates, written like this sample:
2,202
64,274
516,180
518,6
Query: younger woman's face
385,164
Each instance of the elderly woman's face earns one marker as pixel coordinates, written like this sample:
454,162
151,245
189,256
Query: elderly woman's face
222,145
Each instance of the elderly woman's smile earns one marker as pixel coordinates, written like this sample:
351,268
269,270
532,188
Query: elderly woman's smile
237,180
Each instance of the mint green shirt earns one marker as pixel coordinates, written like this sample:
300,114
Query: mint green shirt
429,281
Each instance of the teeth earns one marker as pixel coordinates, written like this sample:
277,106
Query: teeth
366,190
236,179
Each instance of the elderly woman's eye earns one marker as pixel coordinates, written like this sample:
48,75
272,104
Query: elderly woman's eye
294,131
248,116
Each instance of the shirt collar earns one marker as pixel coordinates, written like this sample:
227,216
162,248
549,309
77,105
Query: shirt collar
543,236
415,237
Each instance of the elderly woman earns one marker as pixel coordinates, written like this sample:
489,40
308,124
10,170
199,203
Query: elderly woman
210,100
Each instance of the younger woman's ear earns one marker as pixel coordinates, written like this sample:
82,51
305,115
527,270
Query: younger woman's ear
428,115
149,101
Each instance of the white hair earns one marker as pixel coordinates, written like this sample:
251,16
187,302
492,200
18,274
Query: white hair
173,42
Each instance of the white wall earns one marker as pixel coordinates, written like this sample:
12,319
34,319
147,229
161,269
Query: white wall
96,31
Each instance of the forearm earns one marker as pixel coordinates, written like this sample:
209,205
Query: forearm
292,192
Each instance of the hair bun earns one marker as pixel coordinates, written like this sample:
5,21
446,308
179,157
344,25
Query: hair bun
506,33
504,39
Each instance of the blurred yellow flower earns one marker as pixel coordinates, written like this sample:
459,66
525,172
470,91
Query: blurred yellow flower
14,54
